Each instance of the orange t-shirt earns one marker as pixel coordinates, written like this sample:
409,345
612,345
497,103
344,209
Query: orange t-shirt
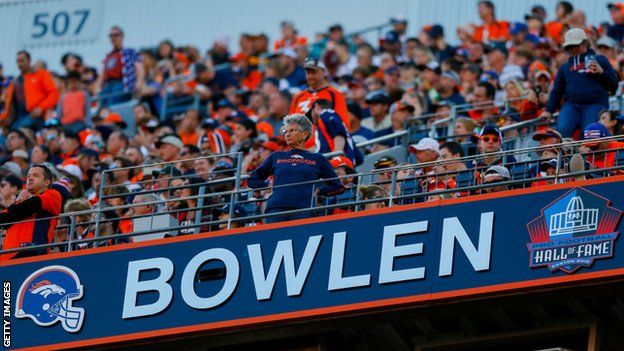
497,31
74,107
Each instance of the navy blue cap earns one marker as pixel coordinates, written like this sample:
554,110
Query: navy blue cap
224,103
517,27
436,31
89,152
392,37
210,123
492,130
379,98
238,211
595,131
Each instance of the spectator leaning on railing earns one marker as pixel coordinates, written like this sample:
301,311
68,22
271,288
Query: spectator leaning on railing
37,207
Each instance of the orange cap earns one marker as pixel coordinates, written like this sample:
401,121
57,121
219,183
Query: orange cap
341,161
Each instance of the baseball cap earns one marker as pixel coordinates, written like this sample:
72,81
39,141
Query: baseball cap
431,65
391,37
517,27
289,52
617,5
452,75
496,171
73,170
238,211
115,118
574,36
434,31
606,41
398,19
224,103
378,98
341,161
541,73
595,131
425,144
487,75
550,163
169,170
385,162
312,63
547,133
355,109
402,106
170,139
19,153
89,152
491,130
210,123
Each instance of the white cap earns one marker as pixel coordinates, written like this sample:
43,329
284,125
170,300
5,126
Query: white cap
607,41
425,144
289,52
170,139
19,153
497,171
73,170
574,36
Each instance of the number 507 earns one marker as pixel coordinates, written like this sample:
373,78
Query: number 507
59,24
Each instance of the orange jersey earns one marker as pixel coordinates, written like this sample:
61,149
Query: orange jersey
302,102
47,205
497,31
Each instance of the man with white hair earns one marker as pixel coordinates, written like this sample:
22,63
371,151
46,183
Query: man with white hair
583,83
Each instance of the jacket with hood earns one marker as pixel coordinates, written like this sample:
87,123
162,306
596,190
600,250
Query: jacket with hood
573,85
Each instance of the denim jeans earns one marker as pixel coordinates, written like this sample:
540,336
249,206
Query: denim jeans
575,116
28,122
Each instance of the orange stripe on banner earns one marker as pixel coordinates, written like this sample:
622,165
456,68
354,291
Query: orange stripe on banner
343,309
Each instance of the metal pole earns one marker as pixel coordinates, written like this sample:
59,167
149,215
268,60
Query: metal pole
200,205
72,231
99,211
392,185
234,197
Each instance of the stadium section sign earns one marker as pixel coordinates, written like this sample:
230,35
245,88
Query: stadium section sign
60,22
396,257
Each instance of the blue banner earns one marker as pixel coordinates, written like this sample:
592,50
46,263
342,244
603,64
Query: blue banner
398,256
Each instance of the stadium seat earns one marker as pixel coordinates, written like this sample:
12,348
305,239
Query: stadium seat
410,186
619,158
465,179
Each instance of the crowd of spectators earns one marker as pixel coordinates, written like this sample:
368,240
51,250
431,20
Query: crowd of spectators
254,98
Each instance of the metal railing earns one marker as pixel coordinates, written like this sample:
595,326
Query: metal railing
405,184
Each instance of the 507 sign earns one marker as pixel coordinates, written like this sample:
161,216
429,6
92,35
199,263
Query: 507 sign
59,24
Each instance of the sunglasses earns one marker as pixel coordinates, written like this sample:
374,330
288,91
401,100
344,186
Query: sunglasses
114,35
488,139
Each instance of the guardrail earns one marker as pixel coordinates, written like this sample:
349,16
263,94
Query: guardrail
404,184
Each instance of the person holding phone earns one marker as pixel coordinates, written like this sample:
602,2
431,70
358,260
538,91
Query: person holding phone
583,84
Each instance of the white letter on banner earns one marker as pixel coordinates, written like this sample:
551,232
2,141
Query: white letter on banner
159,284
232,272
336,267
389,251
453,230
283,252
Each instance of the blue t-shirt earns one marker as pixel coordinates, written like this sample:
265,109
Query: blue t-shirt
334,126
294,166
